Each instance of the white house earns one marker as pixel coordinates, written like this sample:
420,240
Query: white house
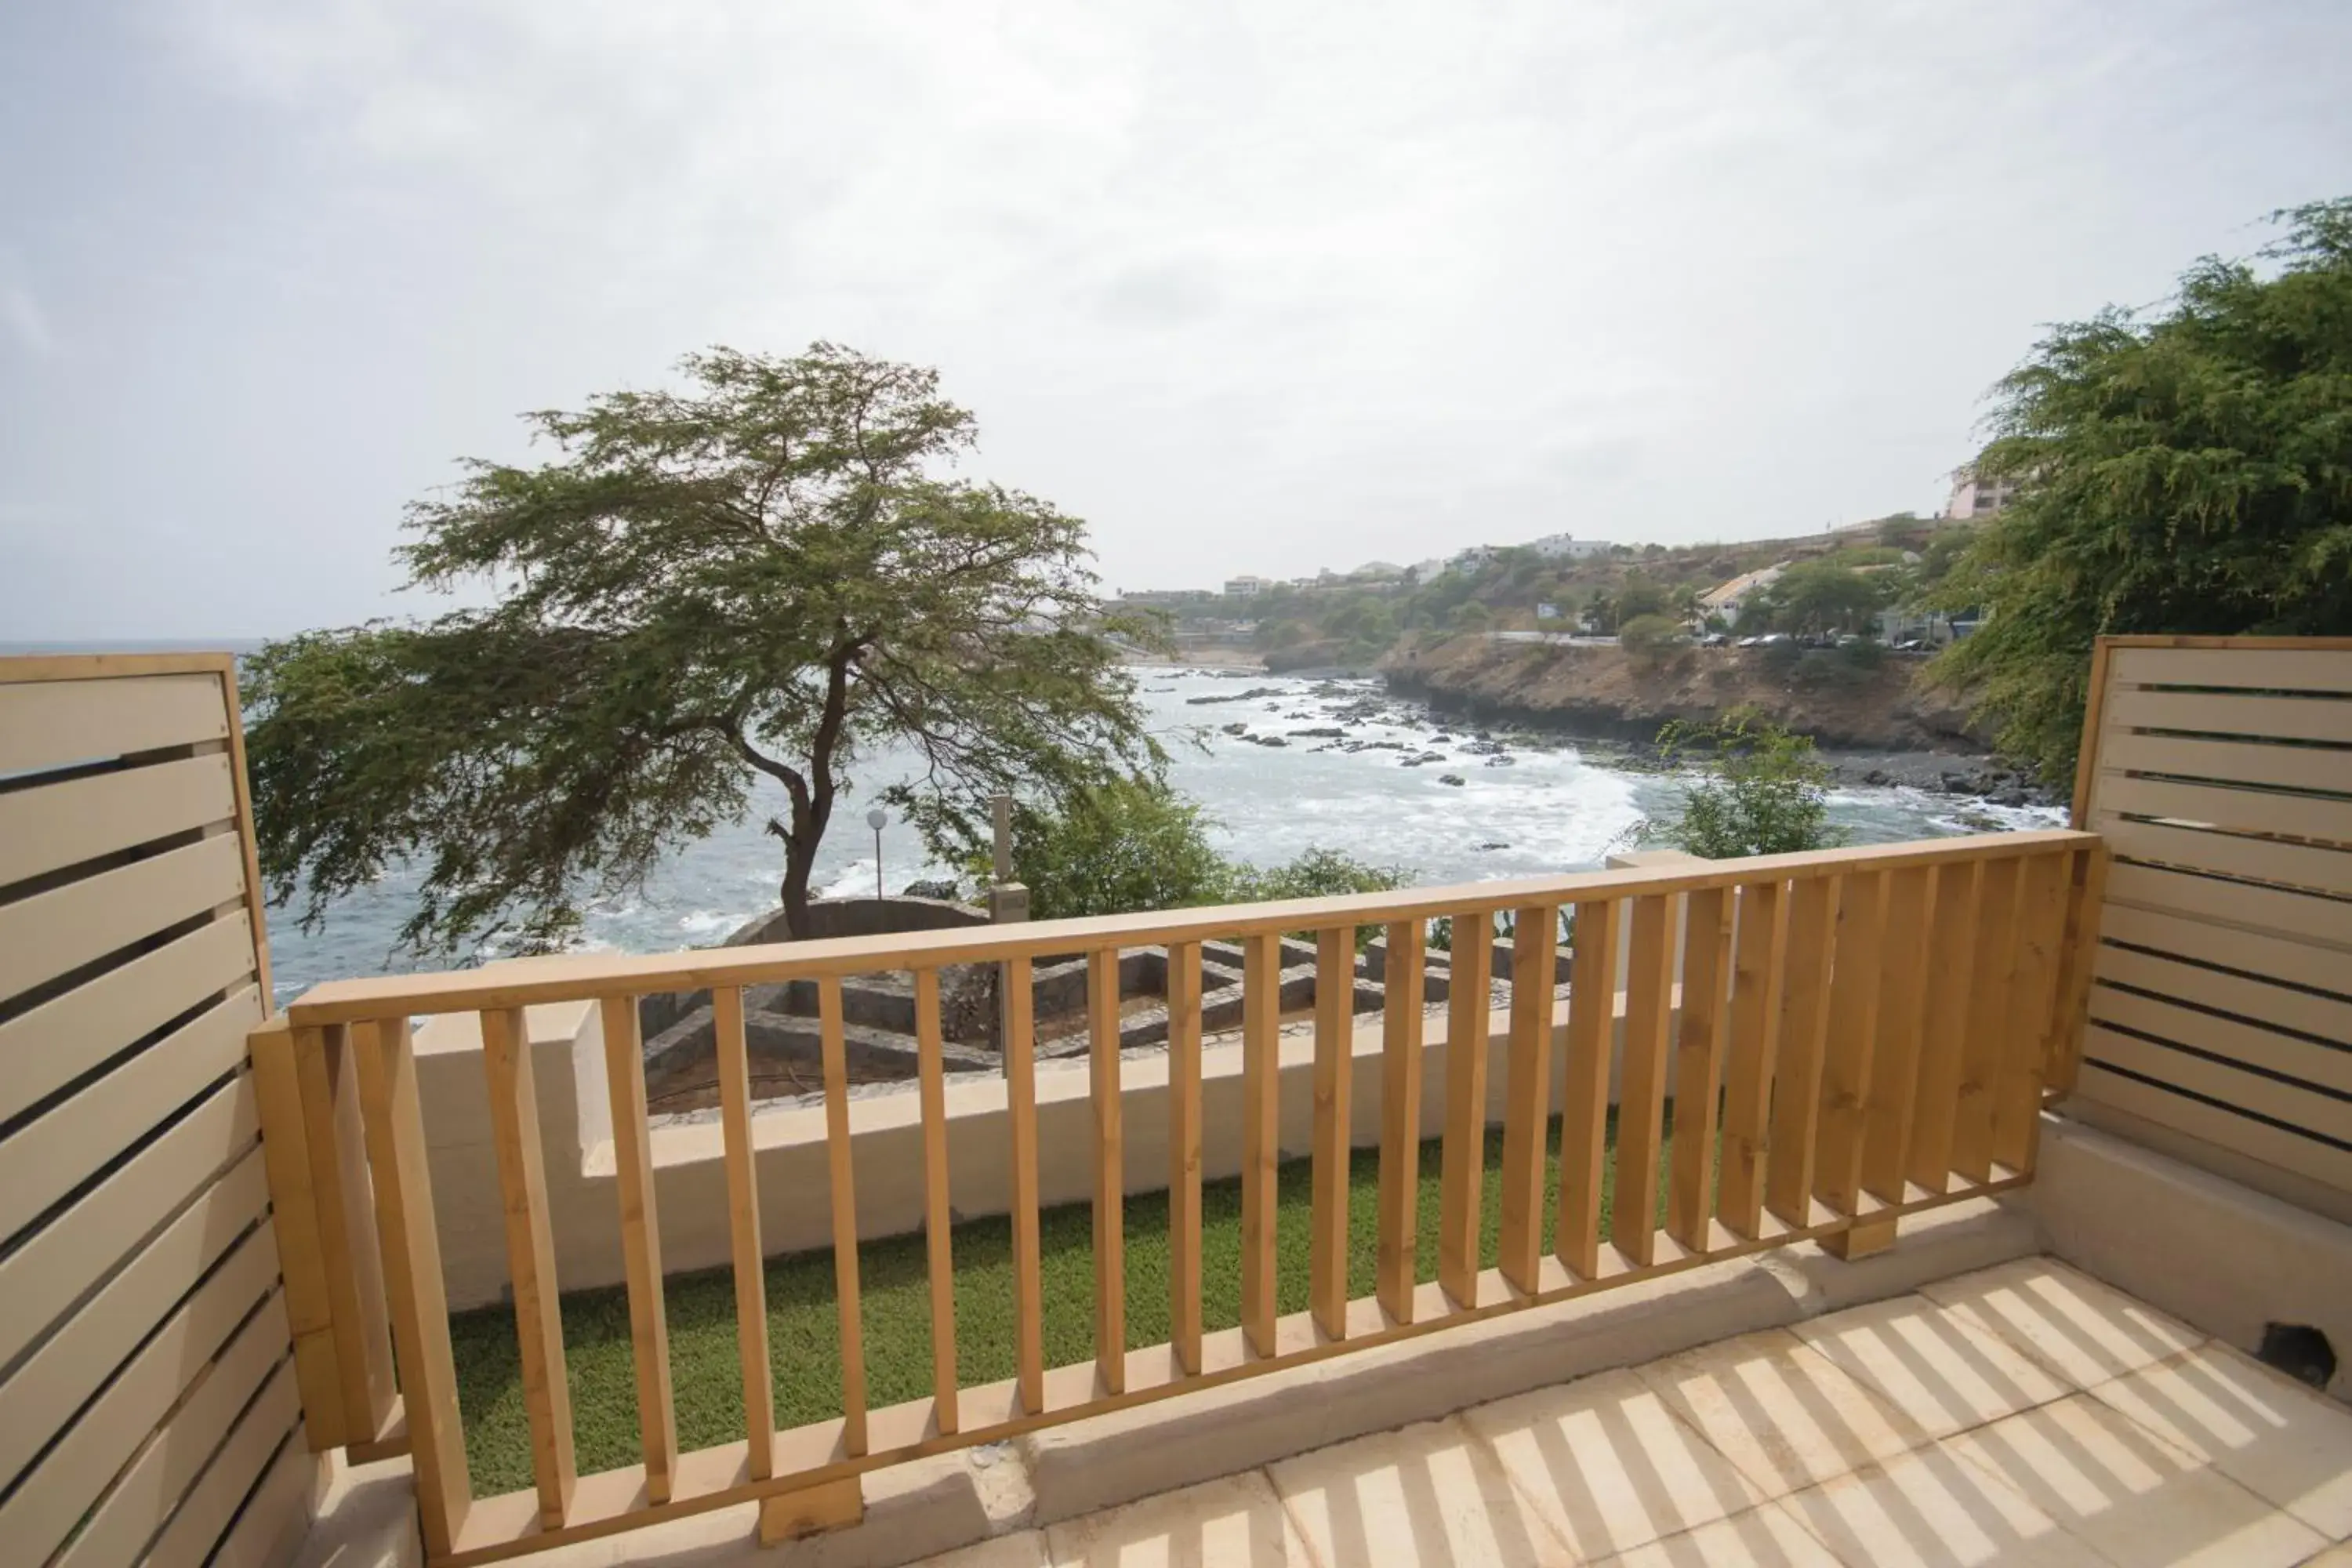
1726,600
1471,559
1563,547
1245,587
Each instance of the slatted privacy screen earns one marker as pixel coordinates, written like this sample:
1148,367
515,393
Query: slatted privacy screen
148,1402
1870,1029
2220,772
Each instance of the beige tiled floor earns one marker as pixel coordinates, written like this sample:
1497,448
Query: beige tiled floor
2026,1414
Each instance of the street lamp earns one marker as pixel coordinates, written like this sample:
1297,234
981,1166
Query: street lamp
878,820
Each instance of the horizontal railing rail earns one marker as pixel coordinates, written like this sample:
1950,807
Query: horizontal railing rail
1846,1038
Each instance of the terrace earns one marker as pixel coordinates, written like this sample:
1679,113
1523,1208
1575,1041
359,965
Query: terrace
1975,1174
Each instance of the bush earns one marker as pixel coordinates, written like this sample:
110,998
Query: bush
1868,653
1759,791
1648,637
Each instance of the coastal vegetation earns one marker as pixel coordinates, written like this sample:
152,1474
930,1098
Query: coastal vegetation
1755,789
711,601
2184,471
1134,843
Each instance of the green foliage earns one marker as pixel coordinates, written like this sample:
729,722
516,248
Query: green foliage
1759,791
1814,597
1647,637
1472,616
739,588
2186,472
1134,843
1129,844
1640,597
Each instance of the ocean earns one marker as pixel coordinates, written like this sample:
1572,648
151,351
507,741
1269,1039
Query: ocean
1548,811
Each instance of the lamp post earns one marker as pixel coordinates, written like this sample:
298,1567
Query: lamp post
878,820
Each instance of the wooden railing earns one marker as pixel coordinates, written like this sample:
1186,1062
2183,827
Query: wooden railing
1864,1033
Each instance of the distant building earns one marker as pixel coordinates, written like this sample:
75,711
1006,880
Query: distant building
1547,612
1562,547
1725,601
1245,587
1158,597
1972,497
1470,560
1427,570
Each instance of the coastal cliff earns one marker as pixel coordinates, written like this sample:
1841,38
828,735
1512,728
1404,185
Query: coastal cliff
1599,690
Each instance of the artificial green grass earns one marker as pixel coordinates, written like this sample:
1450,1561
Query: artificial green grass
895,1302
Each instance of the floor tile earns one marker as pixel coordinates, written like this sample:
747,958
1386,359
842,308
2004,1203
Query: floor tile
2333,1557
1429,1494
1929,1510
2134,1498
2289,1445
1766,1537
1782,1414
2080,1329
1236,1520
1936,1366
1605,1464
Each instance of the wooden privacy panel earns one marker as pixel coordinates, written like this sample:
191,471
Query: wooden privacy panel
2219,1000
148,1402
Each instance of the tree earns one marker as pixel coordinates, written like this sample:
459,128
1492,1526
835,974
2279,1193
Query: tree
751,584
1647,637
1759,790
1639,595
1472,616
2188,471
1128,844
1815,597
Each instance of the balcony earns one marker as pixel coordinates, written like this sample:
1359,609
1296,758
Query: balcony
1915,1202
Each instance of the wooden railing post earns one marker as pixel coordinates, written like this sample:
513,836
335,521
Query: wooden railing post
938,1237
633,1169
1761,939
1584,1114
1184,1154
1904,957
734,1063
1400,1121
1698,1063
842,1191
1334,1072
1528,1109
1849,1057
1943,1040
1641,1078
1998,888
530,1259
2039,935
1261,1126
1462,1156
1111,1162
1805,1030
1028,1268
412,1268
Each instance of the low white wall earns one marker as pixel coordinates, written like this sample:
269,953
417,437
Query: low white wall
567,1055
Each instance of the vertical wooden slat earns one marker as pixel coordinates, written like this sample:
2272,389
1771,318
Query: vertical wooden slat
1989,989
2040,931
939,1237
1852,1045
293,1213
1699,1062
1184,1153
1335,1071
1584,1110
632,1162
1642,1083
1904,957
327,1062
1400,1121
1527,1107
840,1181
1261,1128
1111,1240
1951,967
1804,1029
2089,896
530,1259
734,1066
1760,939
412,1266
1028,1269
1462,1156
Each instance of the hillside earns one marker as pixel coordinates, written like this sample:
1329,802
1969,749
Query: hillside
1600,690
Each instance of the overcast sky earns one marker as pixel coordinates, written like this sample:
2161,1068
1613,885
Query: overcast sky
1258,287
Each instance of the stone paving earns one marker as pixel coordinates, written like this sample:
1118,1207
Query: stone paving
2023,1415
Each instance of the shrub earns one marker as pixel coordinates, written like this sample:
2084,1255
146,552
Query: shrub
1759,790
1648,637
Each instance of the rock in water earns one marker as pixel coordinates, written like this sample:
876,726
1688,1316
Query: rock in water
1450,778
